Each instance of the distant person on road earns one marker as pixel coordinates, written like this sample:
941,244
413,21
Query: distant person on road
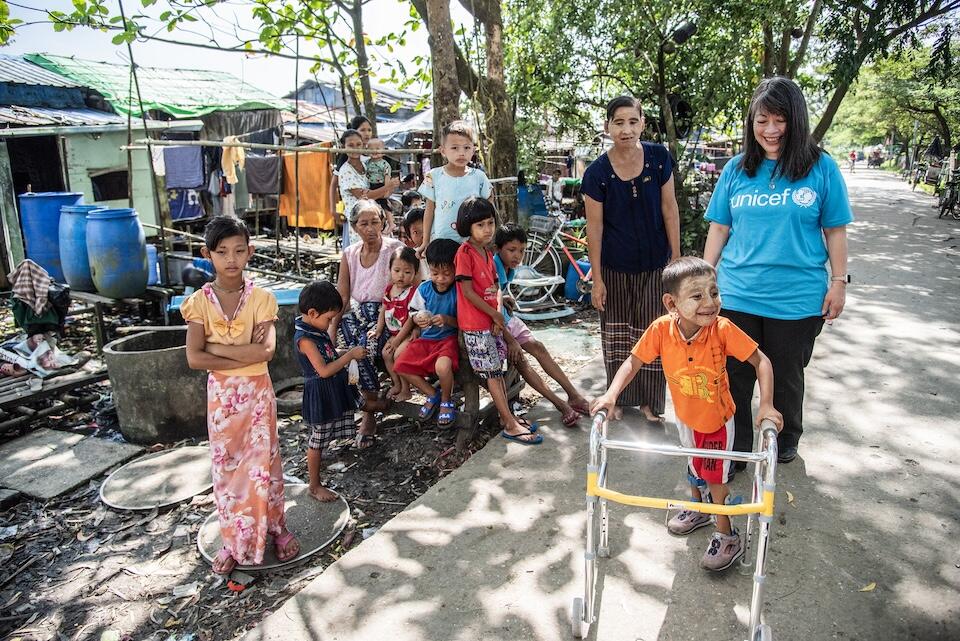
694,343
853,160
633,224
778,215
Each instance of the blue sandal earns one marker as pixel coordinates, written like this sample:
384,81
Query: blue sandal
448,414
430,407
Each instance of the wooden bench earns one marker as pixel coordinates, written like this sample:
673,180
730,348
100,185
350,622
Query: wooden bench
16,395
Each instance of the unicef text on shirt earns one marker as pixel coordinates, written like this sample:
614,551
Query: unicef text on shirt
803,197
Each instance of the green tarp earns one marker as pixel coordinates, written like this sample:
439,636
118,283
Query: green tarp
182,93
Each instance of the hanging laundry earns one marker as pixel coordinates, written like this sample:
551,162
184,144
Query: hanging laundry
263,174
315,178
31,284
156,156
184,166
184,204
232,158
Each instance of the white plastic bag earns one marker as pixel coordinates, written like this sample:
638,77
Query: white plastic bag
353,373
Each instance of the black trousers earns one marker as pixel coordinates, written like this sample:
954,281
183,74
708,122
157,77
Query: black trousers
789,345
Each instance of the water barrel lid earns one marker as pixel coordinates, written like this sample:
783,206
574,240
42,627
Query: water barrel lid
50,194
80,209
106,214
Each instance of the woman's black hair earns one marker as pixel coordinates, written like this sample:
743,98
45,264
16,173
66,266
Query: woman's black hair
473,210
620,102
358,121
320,295
442,252
415,215
509,232
407,255
222,227
798,150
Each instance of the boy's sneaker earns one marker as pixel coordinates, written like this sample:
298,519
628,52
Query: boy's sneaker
687,521
723,550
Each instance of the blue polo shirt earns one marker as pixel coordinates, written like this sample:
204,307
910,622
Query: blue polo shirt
504,276
774,262
429,299
634,237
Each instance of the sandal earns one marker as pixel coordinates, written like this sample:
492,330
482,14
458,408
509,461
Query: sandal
225,560
365,441
518,438
448,414
280,544
430,407
570,418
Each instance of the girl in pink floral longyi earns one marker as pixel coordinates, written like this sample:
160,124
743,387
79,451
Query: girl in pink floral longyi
230,334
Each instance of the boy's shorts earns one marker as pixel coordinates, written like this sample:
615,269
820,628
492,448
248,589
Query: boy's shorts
420,356
711,470
519,330
486,352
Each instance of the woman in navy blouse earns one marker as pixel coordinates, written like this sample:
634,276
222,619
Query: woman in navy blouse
633,225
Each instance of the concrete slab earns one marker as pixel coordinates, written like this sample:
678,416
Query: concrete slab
316,525
866,548
47,463
158,480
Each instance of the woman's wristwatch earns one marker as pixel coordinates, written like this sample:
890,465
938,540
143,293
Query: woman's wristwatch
840,279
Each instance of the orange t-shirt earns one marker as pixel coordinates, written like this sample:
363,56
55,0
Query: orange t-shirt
695,368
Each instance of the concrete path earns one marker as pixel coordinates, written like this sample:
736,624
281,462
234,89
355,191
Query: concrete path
867,549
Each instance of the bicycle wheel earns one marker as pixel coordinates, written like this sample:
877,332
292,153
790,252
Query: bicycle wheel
541,257
527,297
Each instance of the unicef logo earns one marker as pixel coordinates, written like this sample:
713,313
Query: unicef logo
804,197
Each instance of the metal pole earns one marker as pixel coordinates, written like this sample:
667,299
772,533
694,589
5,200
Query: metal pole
296,157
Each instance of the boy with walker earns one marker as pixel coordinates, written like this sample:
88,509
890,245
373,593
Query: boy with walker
693,343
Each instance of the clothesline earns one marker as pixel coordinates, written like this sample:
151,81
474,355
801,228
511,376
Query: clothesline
144,143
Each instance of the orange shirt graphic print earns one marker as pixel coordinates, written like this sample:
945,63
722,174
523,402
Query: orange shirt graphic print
700,385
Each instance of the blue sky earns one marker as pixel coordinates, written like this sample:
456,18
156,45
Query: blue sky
273,74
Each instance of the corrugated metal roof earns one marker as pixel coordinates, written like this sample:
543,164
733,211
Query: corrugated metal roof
16,70
182,93
41,116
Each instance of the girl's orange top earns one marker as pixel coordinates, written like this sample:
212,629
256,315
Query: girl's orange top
256,306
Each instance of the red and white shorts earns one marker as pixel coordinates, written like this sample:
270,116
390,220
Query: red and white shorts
420,356
711,470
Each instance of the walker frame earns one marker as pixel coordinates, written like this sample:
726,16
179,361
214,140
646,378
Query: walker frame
760,508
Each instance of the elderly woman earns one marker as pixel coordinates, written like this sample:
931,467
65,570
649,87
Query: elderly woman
777,217
633,224
364,275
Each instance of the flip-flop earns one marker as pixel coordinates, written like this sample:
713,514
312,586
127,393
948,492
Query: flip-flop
370,439
281,542
430,407
448,414
517,438
570,418
532,428
222,557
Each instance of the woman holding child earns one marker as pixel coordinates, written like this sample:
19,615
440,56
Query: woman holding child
633,224
364,275
778,215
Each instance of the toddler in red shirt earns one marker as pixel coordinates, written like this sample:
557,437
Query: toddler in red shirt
404,279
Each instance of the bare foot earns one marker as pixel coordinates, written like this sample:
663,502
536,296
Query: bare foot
650,416
393,391
520,431
616,414
403,395
323,495
224,562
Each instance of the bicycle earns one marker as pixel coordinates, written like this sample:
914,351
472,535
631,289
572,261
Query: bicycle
542,267
949,197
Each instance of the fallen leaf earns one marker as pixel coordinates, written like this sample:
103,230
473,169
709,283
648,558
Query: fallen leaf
790,497
870,587
110,635
187,589
84,537
8,532
6,551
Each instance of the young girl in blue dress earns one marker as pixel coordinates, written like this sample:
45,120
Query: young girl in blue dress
329,400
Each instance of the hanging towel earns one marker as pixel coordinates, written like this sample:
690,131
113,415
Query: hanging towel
184,167
232,158
156,155
263,174
314,191
184,204
31,284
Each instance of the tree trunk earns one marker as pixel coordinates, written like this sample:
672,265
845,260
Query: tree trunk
498,113
363,63
807,32
670,129
768,53
443,62
827,118
944,128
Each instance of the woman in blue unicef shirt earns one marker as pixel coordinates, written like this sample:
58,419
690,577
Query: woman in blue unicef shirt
777,217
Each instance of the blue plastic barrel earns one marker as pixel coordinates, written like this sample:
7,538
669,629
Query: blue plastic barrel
570,287
40,222
73,246
118,252
153,265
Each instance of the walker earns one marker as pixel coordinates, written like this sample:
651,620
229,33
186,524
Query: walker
760,507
